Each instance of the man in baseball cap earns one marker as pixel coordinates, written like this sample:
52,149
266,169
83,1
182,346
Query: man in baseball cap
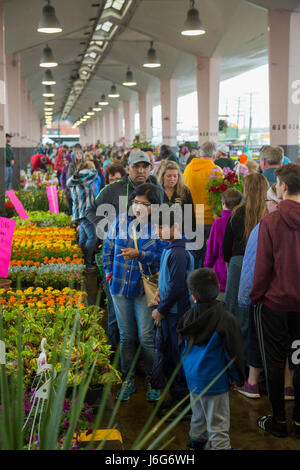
139,168
223,158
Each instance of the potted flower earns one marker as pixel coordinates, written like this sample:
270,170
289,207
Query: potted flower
217,184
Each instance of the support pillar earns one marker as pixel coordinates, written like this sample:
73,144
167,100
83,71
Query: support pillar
284,80
168,98
129,108
103,138
208,86
111,125
118,127
2,106
145,111
107,129
14,105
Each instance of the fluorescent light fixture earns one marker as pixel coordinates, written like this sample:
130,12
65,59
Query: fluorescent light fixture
49,103
49,23
103,101
193,25
48,92
129,80
47,59
152,60
48,78
113,92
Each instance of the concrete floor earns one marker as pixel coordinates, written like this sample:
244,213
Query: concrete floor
244,433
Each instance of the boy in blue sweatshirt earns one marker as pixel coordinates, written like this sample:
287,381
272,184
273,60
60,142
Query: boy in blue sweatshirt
209,338
173,300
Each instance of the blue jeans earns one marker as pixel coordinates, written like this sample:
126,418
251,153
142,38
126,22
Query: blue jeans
178,387
87,240
8,177
112,325
135,320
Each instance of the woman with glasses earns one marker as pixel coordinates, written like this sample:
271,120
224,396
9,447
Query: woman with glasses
121,265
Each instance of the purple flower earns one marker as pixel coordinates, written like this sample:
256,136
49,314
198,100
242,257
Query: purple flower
243,170
226,170
66,424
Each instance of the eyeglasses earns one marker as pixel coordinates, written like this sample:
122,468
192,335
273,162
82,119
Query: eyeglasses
146,204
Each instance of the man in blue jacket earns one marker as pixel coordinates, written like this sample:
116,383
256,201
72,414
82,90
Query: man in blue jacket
173,301
209,339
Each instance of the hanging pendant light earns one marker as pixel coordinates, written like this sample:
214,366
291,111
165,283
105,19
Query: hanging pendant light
47,59
49,23
152,60
48,93
193,25
113,92
96,107
48,78
91,112
129,81
49,103
103,101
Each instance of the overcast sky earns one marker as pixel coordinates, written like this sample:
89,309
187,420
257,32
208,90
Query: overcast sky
255,81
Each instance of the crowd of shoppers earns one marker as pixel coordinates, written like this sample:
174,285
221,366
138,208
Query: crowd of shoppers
228,308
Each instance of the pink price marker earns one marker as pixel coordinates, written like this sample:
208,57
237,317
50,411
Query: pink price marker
53,199
17,205
7,227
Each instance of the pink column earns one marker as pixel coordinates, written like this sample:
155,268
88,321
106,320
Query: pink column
2,106
168,98
208,85
145,112
111,125
107,127
96,129
284,80
102,129
25,113
29,124
129,108
118,126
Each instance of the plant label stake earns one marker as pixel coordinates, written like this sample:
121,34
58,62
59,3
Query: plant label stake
45,375
2,353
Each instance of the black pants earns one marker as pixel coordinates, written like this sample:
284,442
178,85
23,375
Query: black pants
276,333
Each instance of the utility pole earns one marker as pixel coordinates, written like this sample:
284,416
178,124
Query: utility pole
250,120
238,117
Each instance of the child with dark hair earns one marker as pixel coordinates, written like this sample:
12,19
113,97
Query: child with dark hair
214,257
209,339
173,300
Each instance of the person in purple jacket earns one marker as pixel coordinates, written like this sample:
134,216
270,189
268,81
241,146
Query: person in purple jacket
214,252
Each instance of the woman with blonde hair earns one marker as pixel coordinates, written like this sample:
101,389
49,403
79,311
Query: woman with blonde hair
242,221
175,190
88,157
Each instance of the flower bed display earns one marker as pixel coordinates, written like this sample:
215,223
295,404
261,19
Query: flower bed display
217,184
38,179
37,200
46,313
46,256
45,219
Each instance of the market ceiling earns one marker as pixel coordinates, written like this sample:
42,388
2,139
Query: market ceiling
100,39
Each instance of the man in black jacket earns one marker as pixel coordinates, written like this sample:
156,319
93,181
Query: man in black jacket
139,173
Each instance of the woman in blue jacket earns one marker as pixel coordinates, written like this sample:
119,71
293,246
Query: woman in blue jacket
121,265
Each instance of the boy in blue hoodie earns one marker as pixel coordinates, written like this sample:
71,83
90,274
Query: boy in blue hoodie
209,338
173,300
